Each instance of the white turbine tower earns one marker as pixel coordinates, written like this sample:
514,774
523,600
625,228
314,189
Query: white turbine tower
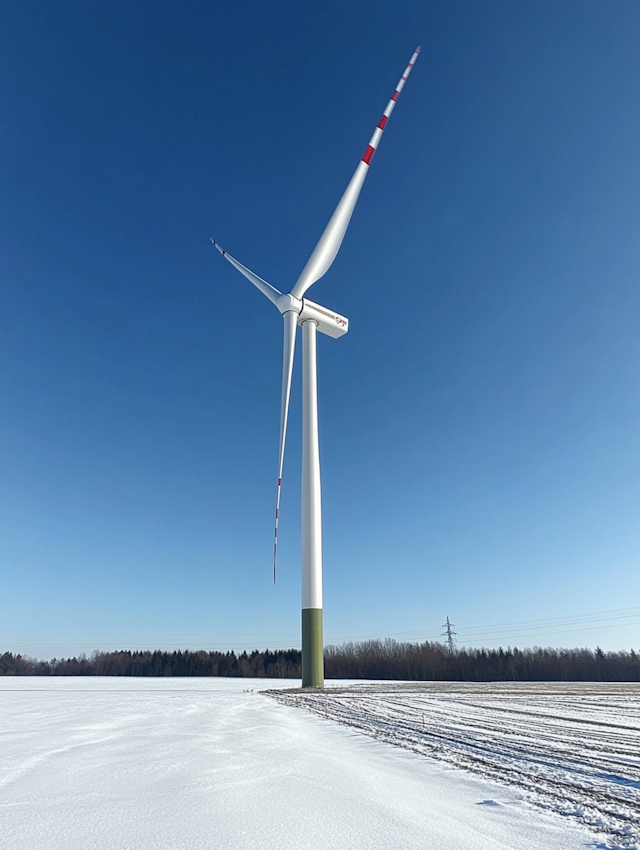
297,310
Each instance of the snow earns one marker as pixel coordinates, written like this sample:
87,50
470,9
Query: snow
180,764
572,748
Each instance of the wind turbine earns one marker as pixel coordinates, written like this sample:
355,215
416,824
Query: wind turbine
297,310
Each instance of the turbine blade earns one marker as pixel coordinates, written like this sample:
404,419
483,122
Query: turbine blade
270,291
329,244
290,326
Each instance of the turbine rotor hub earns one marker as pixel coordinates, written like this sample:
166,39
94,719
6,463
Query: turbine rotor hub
289,302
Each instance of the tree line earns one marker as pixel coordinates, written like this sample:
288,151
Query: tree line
281,664
372,659
390,659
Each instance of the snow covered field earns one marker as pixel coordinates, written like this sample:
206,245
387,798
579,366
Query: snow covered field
204,764
573,748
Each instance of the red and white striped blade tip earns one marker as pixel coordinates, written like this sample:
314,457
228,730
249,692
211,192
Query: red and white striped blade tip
275,533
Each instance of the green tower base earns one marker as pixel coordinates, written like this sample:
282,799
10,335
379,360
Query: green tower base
312,648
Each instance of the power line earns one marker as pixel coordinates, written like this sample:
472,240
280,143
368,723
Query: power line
506,632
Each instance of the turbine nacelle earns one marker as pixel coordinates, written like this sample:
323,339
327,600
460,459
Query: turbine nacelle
328,322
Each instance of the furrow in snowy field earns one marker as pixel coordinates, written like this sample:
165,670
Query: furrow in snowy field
571,750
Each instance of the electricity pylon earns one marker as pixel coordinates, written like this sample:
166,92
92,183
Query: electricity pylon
450,636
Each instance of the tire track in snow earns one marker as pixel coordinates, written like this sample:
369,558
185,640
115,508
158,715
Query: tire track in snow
570,748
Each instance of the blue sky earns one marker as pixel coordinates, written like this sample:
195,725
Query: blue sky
480,421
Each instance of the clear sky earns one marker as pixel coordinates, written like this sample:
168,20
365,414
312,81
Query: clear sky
479,423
